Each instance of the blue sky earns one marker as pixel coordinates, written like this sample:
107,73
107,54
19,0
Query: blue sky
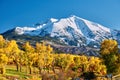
28,12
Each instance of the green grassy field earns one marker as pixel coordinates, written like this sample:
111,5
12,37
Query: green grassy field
12,74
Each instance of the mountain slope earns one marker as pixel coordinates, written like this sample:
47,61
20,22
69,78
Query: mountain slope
71,31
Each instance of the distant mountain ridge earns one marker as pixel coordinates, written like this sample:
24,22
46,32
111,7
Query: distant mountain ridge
71,31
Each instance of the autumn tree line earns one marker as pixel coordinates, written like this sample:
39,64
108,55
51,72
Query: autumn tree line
42,57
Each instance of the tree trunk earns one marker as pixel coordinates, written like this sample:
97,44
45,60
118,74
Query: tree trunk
20,68
30,69
2,70
26,69
17,67
48,69
53,69
39,70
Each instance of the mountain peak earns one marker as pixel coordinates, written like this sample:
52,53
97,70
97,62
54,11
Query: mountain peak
74,16
53,20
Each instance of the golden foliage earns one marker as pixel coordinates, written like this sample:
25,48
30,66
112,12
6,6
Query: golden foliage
42,57
109,46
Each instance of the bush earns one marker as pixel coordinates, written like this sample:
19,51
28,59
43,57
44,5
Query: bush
89,75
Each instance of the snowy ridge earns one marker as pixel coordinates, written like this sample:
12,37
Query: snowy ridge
73,30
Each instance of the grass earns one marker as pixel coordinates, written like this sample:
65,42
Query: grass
12,72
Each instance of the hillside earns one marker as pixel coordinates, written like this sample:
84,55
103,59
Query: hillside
68,34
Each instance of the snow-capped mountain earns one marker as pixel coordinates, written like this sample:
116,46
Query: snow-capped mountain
73,31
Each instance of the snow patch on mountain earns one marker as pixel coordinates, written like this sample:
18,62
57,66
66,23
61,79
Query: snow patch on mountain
53,20
72,31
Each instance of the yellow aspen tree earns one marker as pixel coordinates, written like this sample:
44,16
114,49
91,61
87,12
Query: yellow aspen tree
2,41
96,66
29,51
3,62
108,47
109,53
3,57
64,61
13,53
81,63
